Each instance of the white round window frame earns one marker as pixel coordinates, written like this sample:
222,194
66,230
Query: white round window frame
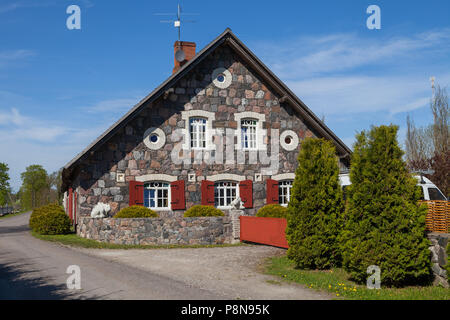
227,78
294,140
161,138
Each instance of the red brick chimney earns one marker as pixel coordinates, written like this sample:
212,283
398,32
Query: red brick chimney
189,52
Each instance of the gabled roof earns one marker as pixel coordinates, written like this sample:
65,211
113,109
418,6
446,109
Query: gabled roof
230,38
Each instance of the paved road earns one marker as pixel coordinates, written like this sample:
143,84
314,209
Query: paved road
35,269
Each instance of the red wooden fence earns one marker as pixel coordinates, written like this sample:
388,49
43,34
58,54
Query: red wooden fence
269,231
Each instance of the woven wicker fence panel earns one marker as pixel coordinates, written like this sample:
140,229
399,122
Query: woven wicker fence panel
438,217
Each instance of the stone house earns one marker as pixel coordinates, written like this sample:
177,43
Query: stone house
221,126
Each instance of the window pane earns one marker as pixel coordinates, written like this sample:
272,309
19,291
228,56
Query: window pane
435,194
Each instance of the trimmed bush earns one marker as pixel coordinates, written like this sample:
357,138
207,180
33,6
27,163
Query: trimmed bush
272,211
203,211
136,212
384,223
39,211
50,220
315,208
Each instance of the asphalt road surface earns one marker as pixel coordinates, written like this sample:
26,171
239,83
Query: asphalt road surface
36,269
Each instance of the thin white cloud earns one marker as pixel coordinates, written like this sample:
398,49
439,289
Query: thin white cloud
12,6
14,125
360,94
11,117
113,105
11,57
307,56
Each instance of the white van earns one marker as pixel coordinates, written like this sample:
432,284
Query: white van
429,190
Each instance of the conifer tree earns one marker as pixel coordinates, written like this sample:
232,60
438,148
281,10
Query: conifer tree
384,225
315,207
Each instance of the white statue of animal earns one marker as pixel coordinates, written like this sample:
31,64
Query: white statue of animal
236,204
100,210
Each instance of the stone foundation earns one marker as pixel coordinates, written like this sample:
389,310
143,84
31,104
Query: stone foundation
439,257
158,231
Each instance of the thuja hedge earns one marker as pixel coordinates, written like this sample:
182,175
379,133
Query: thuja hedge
384,225
315,207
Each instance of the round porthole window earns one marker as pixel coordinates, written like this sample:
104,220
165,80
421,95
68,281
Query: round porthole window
289,140
221,78
154,138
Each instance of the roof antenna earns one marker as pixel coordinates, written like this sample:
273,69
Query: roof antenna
177,22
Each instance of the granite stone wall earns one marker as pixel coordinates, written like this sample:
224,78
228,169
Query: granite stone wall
439,259
95,178
158,231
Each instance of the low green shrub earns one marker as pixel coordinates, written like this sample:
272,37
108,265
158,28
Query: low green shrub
272,211
136,212
39,211
50,220
203,211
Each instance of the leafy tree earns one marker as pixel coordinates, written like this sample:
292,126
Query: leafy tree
5,188
429,147
54,182
384,225
34,183
315,208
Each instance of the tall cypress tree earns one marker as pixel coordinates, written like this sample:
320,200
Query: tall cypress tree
384,224
315,207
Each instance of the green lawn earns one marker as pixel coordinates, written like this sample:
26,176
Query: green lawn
75,241
336,282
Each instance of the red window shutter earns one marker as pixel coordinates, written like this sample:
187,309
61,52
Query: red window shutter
70,204
136,192
272,191
246,193
74,208
207,190
178,196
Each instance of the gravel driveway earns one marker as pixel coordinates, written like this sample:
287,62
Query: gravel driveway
233,272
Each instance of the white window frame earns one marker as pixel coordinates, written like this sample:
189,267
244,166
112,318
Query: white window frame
249,135
218,185
209,132
197,133
284,191
260,132
156,188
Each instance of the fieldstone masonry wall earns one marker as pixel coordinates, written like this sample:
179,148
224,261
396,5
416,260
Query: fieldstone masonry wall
439,257
158,231
95,177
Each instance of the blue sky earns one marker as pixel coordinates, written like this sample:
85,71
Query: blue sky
60,88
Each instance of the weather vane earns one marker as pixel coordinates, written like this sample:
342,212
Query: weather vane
177,22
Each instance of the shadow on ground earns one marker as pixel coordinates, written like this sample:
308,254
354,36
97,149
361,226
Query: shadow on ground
20,281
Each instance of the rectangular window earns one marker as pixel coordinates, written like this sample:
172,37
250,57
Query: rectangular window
248,134
156,195
284,192
197,131
225,193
